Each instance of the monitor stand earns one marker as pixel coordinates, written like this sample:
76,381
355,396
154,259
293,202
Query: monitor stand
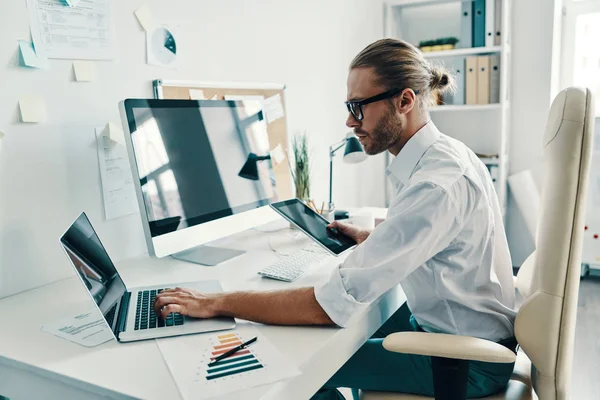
207,255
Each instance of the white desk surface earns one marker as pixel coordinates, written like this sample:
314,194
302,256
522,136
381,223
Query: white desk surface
36,364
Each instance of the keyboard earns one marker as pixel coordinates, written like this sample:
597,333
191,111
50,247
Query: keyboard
291,267
145,317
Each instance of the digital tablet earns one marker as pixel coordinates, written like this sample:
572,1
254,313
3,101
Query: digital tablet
314,225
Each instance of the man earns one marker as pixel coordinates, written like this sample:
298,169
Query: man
443,240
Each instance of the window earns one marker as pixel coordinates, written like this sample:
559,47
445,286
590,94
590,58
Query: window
580,50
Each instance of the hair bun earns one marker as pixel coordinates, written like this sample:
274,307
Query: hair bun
440,79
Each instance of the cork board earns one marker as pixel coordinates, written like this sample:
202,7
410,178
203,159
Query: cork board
277,129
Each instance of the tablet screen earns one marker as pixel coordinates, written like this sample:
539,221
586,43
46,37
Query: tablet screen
314,225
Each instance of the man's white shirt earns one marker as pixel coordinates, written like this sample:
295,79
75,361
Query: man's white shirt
443,241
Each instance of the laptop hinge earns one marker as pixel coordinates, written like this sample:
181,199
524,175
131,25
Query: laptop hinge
122,316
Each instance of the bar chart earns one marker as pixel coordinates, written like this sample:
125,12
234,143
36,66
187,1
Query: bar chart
242,361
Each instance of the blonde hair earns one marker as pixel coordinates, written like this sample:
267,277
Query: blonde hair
400,65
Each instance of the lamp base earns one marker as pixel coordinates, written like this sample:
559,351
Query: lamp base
341,214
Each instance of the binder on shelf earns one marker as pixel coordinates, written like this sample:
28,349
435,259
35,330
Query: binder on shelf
465,40
495,79
483,79
498,23
478,23
457,69
471,80
490,22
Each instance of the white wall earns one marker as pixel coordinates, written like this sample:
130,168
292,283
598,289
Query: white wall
535,43
49,172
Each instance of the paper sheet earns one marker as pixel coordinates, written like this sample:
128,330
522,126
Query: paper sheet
30,57
277,154
85,71
85,30
188,357
33,109
73,3
274,108
85,329
115,172
197,94
145,17
161,47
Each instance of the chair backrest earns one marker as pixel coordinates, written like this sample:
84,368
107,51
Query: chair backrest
545,323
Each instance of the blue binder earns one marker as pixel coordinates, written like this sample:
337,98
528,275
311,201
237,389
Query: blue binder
478,23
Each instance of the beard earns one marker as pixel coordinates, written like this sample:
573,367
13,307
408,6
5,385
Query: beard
386,133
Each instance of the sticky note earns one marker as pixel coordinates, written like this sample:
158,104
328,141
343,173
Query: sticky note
145,18
274,108
277,154
30,57
85,71
214,97
114,133
197,94
33,109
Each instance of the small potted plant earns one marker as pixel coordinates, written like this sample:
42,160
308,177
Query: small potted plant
301,168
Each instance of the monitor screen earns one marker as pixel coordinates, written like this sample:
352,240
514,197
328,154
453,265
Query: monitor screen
189,155
90,259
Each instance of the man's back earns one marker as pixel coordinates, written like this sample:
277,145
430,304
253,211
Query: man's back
467,288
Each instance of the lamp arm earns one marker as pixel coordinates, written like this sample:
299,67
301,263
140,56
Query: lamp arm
332,152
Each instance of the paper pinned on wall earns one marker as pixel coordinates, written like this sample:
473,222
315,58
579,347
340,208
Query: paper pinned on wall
115,173
113,132
197,94
33,109
145,17
83,31
85,71
30,57
85,329
274,108
1,138
277,154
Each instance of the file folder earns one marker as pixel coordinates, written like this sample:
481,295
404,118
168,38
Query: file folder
490,21
498,23
478,23
457,69
465,40
495,79
483,80
471,80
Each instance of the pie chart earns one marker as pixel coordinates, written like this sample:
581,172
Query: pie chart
162,47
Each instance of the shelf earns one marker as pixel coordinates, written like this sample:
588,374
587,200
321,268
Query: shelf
462,52
416,3
466,107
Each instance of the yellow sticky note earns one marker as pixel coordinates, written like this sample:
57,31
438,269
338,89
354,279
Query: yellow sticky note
114,132
144,16
85,71
33,109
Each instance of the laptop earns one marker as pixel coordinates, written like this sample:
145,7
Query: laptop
129,312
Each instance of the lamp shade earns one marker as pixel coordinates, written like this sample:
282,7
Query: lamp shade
250,169
354,153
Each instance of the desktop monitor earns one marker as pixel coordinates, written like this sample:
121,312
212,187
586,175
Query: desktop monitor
188,157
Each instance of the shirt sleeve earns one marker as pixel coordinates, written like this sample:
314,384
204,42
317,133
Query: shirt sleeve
422,221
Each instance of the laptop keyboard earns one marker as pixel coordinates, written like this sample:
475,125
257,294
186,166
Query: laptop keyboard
145,317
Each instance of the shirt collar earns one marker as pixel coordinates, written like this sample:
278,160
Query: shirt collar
405,162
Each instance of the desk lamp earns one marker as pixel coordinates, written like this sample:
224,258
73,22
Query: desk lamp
353,154
250,169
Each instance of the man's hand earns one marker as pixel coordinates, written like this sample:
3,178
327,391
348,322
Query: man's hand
359,235
185,302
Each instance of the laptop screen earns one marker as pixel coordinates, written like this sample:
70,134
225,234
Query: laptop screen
96,270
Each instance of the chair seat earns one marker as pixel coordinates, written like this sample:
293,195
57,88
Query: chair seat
519,387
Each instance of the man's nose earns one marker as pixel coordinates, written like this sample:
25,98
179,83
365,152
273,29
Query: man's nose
352,122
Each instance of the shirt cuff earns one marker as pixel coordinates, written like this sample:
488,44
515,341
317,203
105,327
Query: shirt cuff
335,300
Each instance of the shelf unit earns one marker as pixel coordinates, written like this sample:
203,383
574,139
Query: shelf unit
483,127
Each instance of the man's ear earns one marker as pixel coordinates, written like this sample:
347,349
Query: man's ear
405,101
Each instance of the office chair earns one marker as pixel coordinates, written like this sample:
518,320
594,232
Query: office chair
548,281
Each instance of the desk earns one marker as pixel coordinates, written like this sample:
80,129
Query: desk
35,364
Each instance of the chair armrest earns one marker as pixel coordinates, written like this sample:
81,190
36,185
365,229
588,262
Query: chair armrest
448,346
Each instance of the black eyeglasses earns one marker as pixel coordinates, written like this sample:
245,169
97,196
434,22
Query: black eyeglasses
355,107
